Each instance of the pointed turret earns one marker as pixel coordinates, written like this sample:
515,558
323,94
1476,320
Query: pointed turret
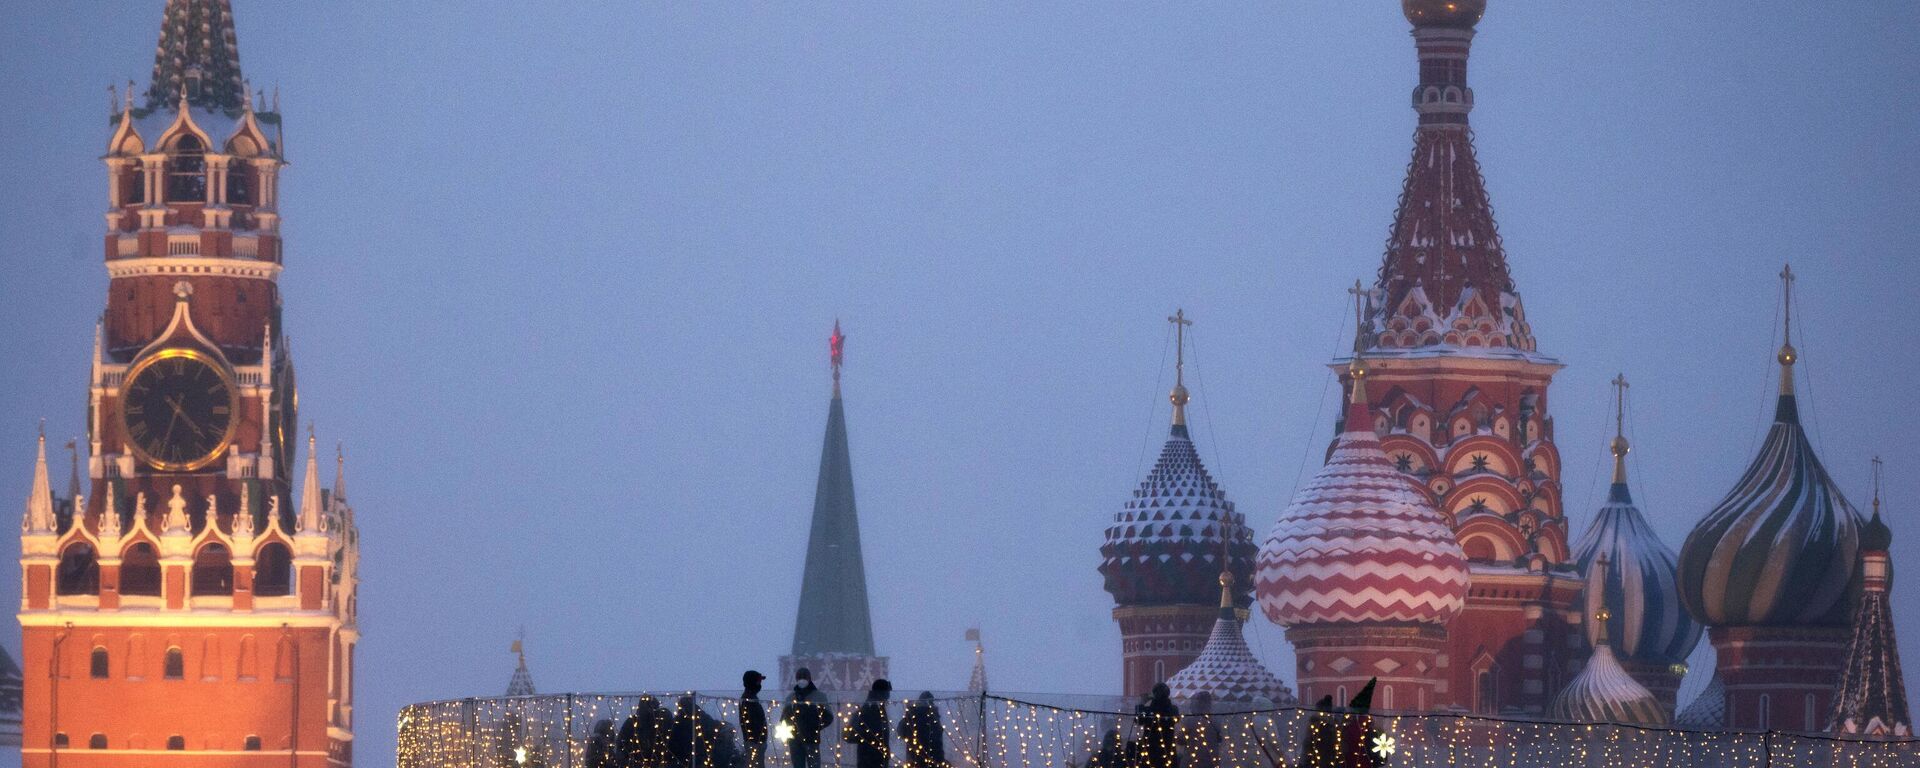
1226,669
977,682
198,59
1444,283
1651,630
521,684
312,504
340,473
1872,696
833,632
39,515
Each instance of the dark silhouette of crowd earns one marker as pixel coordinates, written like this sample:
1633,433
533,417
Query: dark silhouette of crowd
690,737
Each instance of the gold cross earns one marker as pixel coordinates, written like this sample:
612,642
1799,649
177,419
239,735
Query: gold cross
1180,323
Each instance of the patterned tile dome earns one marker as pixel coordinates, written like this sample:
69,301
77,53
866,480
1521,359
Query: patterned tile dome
1360,543
1642,594
1227,669
1164,546
1782,548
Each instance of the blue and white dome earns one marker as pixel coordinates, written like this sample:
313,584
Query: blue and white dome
1642,593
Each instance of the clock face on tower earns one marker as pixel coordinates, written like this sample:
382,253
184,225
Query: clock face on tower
177,407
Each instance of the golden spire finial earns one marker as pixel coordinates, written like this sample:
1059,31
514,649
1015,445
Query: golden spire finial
1356,368
1620,446
1788,355
1179,394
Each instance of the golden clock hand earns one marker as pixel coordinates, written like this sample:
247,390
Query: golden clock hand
181,413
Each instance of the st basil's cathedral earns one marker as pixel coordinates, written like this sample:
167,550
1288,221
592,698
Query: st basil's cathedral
1432,552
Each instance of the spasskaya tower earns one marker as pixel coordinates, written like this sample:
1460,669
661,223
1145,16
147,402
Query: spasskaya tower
192,606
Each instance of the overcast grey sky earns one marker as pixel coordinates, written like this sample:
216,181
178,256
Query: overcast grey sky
561,276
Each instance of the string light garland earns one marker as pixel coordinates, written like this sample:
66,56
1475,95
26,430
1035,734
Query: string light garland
988,731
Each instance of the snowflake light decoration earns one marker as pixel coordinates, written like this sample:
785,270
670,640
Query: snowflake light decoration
1384,745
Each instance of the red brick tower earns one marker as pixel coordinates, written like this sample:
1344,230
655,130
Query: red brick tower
1458,396
190,610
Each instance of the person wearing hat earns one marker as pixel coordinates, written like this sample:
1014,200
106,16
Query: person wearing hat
868,731
808,716
753,719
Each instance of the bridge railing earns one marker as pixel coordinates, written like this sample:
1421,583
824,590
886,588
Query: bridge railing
1049,731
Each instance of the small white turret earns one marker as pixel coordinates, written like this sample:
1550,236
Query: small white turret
39,517
312,506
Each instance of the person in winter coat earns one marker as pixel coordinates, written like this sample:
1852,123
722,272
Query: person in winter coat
642,741
868,731
697,739
1200,736
753,720
921,733
600,746
1158,724
808,716
1112,752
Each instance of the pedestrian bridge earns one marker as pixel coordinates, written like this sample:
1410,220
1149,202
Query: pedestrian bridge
576,730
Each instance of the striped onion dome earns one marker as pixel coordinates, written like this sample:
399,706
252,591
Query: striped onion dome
1226,668
1603,692
1164,546
1642,596
1360,543
1782,548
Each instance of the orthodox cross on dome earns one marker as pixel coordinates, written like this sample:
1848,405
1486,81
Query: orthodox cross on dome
1620,446
1876,485
1359,294
1788,355
836,347
1179,394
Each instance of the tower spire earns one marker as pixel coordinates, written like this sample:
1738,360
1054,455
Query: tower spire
73,471
197,61
1620,446
1179,396
40,498
310,502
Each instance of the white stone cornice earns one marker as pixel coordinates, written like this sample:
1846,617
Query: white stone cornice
134,618
194,265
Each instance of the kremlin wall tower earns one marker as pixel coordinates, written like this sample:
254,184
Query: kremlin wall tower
1431,553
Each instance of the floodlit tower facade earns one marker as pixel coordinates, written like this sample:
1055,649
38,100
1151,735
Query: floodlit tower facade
1459,396
195,606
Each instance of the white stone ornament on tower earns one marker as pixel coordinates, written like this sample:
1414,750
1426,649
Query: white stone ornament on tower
39,516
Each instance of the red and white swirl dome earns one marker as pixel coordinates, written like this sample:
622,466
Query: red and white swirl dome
1361,544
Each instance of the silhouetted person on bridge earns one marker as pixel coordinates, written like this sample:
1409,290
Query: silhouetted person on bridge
921,733
642,742
809,716
1158,724
1200,736
753,720
868,731
1112,752
697,739
600,746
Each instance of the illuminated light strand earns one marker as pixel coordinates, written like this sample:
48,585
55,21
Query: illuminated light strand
558,731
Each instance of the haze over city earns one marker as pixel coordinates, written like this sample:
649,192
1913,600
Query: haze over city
561,278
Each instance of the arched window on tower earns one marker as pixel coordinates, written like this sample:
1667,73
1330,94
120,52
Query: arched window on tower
239,182
176,665
273,571
176,742
133,183
97,664
140,571
79,572
97,741
213,571
1483,697
187,171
